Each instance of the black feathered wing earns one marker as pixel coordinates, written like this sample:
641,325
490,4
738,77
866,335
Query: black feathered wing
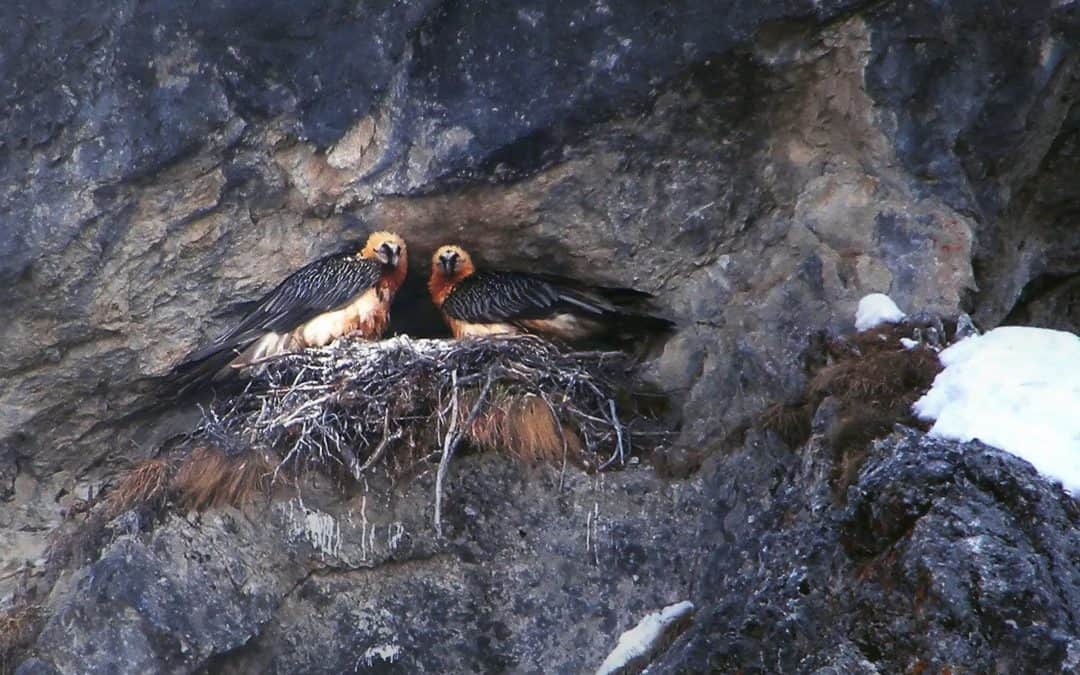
320,286
508,297
526,300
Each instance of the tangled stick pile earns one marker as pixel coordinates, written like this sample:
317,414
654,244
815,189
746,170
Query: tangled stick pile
357,407
351,403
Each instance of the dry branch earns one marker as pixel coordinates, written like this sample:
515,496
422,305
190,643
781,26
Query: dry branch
356,406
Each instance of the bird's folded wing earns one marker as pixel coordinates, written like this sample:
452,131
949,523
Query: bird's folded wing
319,287
490,297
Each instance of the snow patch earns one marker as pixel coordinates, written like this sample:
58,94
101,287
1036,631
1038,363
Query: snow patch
1016,388
643,638
876,309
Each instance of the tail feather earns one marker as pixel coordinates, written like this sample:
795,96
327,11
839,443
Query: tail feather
642,324
613,295
633,320
623,316
606,300
193,374
624,297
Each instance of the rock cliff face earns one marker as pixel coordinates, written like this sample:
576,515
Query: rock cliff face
758,165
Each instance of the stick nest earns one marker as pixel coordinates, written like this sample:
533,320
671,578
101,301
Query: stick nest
360,406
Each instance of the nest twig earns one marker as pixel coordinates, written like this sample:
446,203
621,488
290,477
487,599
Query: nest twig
355,406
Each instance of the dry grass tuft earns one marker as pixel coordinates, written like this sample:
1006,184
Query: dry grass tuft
19,627
872,381
147,484
889,379
850,438
791,422
527,428
208,478
885,337
875,388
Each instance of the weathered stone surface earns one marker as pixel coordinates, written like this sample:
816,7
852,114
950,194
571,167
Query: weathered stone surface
945,556
982,111
759,165
537,571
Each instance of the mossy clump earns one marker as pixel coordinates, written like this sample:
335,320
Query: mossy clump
871,379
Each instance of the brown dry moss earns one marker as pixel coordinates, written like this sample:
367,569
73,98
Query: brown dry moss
872,381
849,439
526,427
208,478
146,484
791,422
875,390
886,379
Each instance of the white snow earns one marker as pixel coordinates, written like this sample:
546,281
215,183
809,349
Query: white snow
908,343
1018,389
642,638
876,309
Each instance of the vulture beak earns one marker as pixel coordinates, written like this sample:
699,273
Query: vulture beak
448,261
388,255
